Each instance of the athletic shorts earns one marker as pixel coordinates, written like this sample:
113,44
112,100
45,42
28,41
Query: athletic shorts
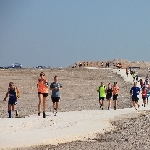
148,94
12,102
55,99
115,96
101,98
135,98
108,96
144,98
44,94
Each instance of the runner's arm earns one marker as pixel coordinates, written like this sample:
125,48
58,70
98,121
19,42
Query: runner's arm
6,95
18,92
52,88
131,91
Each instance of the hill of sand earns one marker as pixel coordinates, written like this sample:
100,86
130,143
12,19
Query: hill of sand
112,63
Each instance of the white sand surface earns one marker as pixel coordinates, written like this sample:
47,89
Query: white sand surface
65,127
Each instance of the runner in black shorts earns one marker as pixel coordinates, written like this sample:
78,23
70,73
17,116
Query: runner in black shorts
13,93
109,91
42,93
55,87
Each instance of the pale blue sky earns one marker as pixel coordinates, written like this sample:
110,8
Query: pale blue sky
58,33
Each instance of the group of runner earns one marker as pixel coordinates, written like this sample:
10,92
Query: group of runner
135,90
43,87
110,92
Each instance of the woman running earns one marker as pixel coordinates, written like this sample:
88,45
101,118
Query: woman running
109,91
144,91
13,93
42,93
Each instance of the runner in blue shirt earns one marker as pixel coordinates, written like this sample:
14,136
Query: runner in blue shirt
55,87
134,91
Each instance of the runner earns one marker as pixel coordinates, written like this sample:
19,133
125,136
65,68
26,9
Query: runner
109,91
141,83
144,91
13,93
134,91
137,77
127,71
131,70
55,87
102,94
42,93
133,76
115,94
147,80
148,93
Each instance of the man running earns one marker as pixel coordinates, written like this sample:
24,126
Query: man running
115,94
55,87
102,94
133,76
134,91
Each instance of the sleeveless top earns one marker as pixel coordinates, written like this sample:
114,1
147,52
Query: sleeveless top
12,93
115,90
42,86
109,91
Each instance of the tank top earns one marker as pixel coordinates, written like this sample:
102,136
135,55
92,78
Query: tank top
12,94
109,91
115,89
42,86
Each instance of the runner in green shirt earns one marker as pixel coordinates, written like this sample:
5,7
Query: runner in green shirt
102,94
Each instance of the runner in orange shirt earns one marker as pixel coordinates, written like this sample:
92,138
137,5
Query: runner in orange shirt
42,93
115,94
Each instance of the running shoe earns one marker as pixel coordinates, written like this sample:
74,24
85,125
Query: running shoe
114,107
55,113
38,113
54,110
17,113
44,115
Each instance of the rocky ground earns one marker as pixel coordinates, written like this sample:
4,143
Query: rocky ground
129,133
79,93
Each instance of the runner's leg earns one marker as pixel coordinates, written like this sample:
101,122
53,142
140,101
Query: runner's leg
9,110
39,105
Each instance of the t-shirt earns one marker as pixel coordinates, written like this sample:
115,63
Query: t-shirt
144,91
115,90
101,90
135,91
56,92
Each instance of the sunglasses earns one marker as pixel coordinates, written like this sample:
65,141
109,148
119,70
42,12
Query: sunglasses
11,85
42,74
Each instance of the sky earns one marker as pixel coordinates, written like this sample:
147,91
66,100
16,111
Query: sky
58,33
